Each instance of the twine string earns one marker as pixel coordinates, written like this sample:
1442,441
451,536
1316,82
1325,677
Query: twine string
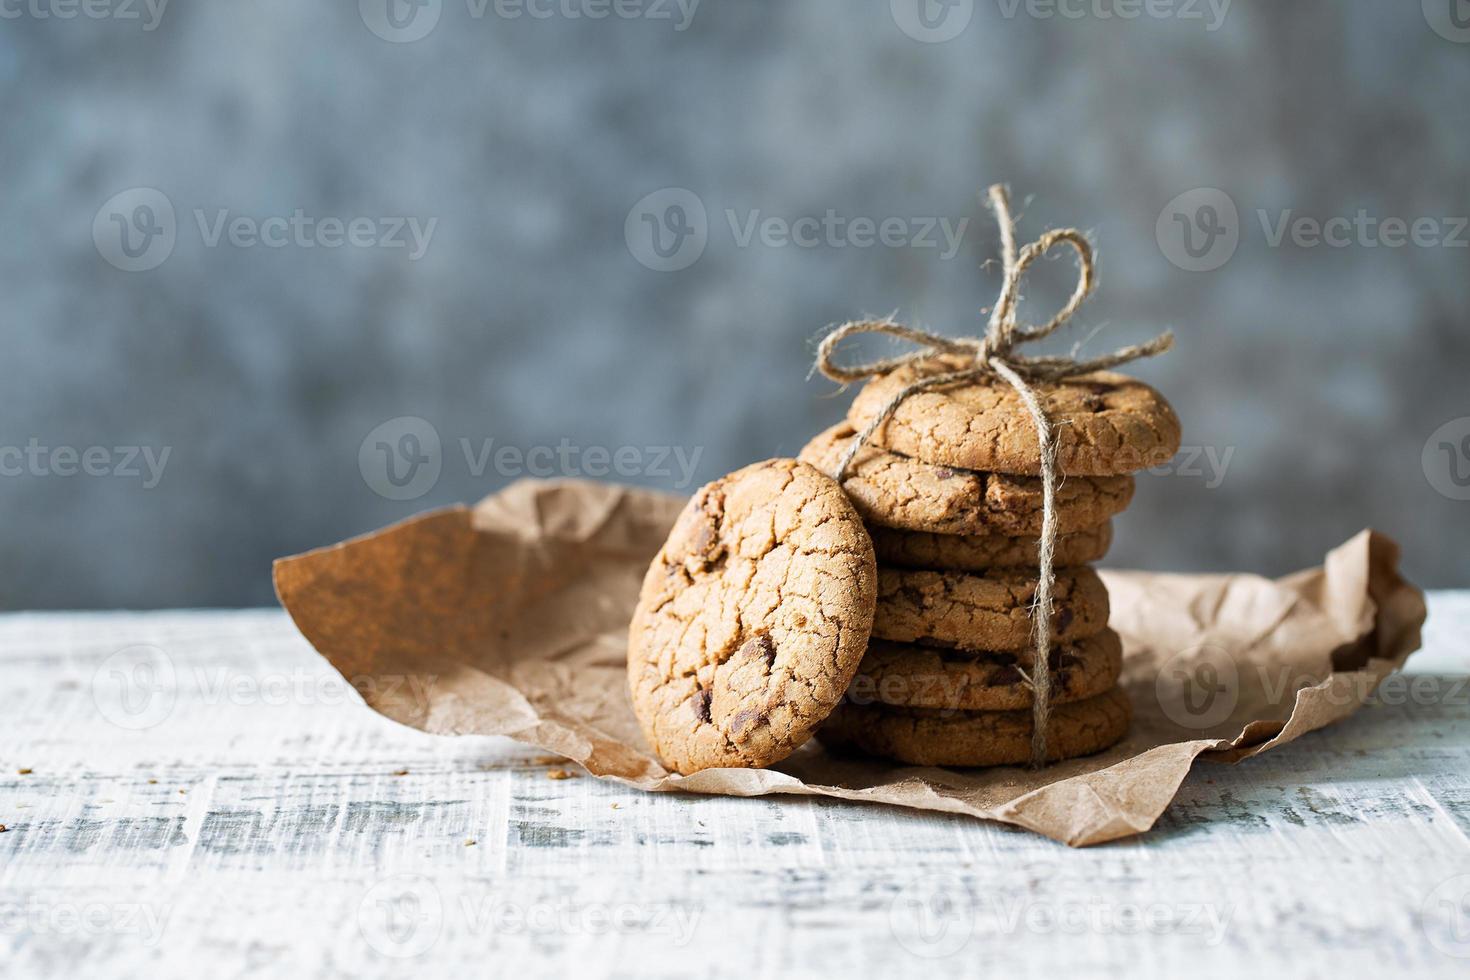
962,360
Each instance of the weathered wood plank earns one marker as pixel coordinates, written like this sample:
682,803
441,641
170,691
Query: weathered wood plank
262,819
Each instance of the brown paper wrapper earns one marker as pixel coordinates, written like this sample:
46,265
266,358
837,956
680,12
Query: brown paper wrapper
511,619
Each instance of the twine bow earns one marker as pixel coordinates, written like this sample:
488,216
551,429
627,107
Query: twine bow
984,358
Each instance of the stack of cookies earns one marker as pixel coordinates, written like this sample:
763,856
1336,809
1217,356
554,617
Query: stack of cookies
950,491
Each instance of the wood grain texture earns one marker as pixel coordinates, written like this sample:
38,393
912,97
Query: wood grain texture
206,794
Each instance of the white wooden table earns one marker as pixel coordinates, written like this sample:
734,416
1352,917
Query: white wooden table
238,811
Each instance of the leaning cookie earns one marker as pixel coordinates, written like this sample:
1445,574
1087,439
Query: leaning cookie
921,677
967,611
1105,423
752,618
893,490
924,737
979,552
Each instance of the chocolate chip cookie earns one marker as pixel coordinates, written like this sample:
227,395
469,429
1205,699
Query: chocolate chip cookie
921,677
926,737
979,552
894,490
752,618
1105,423
966,611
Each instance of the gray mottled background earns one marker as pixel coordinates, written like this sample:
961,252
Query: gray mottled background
1315,373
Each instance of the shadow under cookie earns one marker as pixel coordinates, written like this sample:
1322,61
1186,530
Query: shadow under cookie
929,737
905,675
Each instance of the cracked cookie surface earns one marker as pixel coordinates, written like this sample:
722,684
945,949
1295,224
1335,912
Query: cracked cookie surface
752,618
925,737
979,552
1105,423
968,611
921,677
894,490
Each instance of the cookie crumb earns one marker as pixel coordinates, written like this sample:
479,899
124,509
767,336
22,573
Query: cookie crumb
26,771
560,774
617,806
547,760
400,772
152,782
182,792
3,828
470,842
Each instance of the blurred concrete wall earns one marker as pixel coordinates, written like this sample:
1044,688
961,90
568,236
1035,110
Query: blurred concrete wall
344,262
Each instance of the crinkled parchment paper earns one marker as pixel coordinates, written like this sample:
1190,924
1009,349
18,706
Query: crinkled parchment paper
511,618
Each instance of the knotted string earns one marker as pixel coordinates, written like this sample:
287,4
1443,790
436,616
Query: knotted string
981,359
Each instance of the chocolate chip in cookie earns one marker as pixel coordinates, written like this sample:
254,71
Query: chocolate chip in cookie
1105,423
752,618
890,489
